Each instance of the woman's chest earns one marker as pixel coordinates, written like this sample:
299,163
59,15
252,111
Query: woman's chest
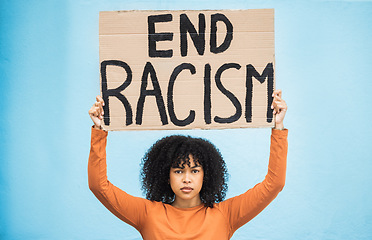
203,223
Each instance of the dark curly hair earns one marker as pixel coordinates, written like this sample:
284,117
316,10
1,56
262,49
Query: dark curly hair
174,151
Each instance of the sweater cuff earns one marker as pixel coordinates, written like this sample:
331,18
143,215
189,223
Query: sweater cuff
98,133
280,133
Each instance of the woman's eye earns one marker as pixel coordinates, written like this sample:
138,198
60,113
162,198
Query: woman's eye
178,171
195,171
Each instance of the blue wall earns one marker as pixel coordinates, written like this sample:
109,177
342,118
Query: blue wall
49,68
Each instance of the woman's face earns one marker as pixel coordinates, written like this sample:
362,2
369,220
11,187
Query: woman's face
186,182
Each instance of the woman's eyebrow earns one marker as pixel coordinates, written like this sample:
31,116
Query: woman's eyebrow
179,167
196,166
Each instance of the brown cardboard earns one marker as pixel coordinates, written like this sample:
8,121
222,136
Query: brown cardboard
124,38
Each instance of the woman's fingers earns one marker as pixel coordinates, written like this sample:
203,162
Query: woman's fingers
278,103
100,100
278,93
99,104
97,109
94,111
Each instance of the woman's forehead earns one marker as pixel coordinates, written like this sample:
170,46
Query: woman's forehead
190,161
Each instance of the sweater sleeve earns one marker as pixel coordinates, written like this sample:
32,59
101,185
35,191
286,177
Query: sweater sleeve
126,207
241,209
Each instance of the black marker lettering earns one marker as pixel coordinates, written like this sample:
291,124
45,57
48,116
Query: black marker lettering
106,93
229,33
172,79
268,73
228,94
154,37
198,39
207,94
149,70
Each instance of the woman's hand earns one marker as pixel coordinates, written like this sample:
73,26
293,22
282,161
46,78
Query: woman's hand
96,112
279,109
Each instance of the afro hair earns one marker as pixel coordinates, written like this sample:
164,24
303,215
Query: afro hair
173,151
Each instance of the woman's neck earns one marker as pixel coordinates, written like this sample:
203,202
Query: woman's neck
189,203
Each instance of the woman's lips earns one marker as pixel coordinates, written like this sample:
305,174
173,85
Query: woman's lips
186,189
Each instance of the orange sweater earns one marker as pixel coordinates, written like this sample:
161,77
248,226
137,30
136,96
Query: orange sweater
159,221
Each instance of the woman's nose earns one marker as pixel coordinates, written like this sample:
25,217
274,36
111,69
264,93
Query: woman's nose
186,178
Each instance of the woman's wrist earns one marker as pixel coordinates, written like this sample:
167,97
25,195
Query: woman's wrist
97,127
279,126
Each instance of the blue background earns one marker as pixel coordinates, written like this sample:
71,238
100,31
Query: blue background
50,76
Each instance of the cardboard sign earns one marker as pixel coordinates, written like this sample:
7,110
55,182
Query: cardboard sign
187,69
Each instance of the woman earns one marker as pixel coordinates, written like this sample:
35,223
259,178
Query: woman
184,180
